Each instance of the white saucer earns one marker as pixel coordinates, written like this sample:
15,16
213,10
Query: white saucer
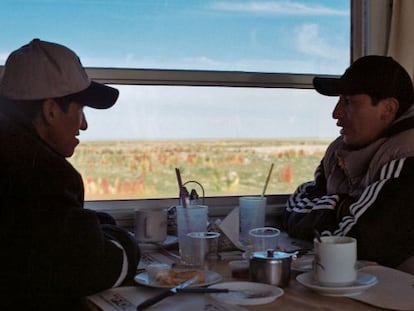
363,282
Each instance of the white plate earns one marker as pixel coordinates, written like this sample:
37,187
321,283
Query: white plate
170,240
211,278
270,293
363,282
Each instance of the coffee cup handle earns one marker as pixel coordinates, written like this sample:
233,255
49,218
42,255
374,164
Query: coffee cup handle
317,265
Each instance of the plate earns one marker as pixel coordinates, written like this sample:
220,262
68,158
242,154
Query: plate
363,282
170,240
265,293
211,278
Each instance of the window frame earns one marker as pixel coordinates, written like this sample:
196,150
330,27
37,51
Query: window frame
131,76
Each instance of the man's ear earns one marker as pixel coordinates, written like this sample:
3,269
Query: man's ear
390,109
49,111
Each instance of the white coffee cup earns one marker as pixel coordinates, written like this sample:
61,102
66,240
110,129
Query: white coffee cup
151,225
335,261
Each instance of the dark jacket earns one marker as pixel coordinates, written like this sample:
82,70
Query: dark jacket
365,193
53,251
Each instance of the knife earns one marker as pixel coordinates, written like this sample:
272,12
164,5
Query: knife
246,294
203,290
172,291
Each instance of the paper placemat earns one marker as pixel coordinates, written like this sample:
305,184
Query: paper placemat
127,298
150,257
394,290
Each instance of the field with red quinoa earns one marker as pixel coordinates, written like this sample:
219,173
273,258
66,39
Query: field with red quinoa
146,169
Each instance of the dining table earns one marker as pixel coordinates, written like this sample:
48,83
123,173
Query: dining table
394,290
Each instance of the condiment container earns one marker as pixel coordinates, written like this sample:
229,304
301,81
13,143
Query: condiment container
271,267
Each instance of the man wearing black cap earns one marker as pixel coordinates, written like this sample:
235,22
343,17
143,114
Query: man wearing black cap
364,184
53,251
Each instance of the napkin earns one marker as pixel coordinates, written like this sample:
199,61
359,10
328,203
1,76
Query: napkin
394,291
230,227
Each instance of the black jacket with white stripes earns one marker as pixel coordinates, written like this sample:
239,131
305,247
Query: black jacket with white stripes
366,193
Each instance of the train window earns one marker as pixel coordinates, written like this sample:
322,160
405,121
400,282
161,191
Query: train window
220,89
224,138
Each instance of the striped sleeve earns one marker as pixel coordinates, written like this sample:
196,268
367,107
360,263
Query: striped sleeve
389,171
309,208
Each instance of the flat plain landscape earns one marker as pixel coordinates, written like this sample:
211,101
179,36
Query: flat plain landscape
146,169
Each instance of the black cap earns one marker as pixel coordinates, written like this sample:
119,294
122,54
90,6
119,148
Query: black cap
377,76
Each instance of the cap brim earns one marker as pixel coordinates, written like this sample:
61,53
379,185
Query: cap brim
97,95
327,86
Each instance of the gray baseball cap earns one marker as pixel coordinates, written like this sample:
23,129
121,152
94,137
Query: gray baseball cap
41,70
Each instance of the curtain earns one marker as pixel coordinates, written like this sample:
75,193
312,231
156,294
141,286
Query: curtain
401,40
401,48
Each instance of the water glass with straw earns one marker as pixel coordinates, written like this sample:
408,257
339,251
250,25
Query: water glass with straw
252,211
190,218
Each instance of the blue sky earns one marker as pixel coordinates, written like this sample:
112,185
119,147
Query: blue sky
270,36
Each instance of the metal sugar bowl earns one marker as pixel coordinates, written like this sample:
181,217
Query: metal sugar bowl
271,267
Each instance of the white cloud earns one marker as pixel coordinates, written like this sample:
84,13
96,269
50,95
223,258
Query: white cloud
278,8
309,41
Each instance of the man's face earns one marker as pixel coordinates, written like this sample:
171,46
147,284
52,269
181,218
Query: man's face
62,136
361,121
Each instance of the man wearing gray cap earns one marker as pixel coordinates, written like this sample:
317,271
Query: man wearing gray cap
363,186
53,251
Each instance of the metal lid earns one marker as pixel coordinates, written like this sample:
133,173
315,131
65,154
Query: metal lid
270,254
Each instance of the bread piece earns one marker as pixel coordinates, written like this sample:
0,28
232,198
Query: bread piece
186,275
173,278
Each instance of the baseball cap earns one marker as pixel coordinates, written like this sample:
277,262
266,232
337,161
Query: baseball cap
374,75
40,70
